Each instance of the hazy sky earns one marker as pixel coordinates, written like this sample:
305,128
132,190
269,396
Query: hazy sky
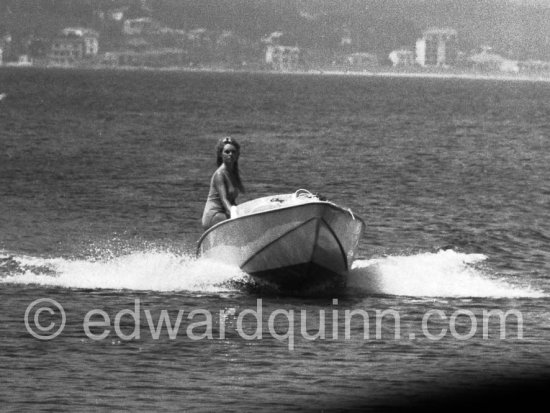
532,2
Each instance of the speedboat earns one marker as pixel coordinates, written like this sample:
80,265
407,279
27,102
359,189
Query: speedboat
295,242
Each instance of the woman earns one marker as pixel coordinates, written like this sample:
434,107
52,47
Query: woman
225,184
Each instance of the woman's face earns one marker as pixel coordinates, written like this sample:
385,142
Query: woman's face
229,154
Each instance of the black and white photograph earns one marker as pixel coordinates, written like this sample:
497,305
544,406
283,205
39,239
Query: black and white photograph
274,205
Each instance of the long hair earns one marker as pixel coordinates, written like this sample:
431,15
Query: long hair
219,160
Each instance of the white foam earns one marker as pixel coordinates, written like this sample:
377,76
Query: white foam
442,274
155,271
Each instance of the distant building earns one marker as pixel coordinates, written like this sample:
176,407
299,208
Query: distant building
117,14
88,36
346,41
137,44
282,58
199,37
273,38
487,61
534,67
137,26
22,61
73,46
66,51
148,58
437,47
38,48
402,57
5,47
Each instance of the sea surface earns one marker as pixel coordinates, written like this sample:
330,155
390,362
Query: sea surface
103,177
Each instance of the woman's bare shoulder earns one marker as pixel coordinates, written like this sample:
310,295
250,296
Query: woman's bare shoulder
220,174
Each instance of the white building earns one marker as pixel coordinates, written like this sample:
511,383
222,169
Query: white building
74,45
493,62
282,57
88,36
361,61
437,47
137,26
117,14
22,61
272,38
402,57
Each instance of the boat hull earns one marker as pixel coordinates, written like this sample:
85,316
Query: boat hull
295,248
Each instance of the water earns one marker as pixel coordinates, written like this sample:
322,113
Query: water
103,176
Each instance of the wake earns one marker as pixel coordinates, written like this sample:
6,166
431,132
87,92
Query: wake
140,271
442,274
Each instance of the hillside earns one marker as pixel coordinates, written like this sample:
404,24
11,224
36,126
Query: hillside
376,26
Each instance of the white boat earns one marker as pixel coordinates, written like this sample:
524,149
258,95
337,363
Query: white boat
295,242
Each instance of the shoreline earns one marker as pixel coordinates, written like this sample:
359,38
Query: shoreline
312,72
